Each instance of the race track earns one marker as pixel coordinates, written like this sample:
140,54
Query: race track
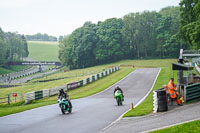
89,115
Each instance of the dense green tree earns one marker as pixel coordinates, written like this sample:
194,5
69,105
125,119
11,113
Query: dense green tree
60,38
26,52
128,34
12,47
109,46
77,49
190,22
3,48
139,33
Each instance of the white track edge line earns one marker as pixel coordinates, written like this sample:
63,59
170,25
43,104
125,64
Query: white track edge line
136,104
155,129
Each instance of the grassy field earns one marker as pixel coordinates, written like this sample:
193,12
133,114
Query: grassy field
43,51
191,127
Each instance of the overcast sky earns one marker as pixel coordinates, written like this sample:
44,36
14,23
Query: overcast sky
61,17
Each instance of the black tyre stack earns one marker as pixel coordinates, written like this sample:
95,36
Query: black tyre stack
162,100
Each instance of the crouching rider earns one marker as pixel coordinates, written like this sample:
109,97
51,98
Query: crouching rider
62,94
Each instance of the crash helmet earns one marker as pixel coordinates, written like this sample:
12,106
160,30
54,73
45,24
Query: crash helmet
61,90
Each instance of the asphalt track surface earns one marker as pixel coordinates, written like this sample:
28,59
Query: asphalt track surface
178,115
89,115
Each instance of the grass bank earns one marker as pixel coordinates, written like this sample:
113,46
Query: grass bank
85,91
190,127
43,51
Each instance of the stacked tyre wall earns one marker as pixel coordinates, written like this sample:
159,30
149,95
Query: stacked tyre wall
160,100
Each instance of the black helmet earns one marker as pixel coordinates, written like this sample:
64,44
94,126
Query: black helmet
61,90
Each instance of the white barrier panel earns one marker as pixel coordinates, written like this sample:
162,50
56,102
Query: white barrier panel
108,71
95,77
30,96
84,82
46,93
155,102
100,75
104,73
90,79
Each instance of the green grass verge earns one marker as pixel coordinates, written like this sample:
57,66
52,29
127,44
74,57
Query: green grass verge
43,51
85,91
190,127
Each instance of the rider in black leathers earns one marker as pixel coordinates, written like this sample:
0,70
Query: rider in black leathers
62,94
117,88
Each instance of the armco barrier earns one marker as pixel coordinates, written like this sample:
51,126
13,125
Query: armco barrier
192,92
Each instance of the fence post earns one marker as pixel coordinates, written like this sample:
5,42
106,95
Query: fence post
8,99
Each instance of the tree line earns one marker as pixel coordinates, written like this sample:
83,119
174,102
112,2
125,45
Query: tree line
135,36
40,37
13,47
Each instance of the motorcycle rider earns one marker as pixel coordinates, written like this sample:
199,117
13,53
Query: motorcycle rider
62,94
117,88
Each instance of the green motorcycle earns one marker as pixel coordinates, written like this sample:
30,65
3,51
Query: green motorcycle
64,105
118,97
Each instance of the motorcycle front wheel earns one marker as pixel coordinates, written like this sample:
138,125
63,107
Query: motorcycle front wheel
62,108
118,101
